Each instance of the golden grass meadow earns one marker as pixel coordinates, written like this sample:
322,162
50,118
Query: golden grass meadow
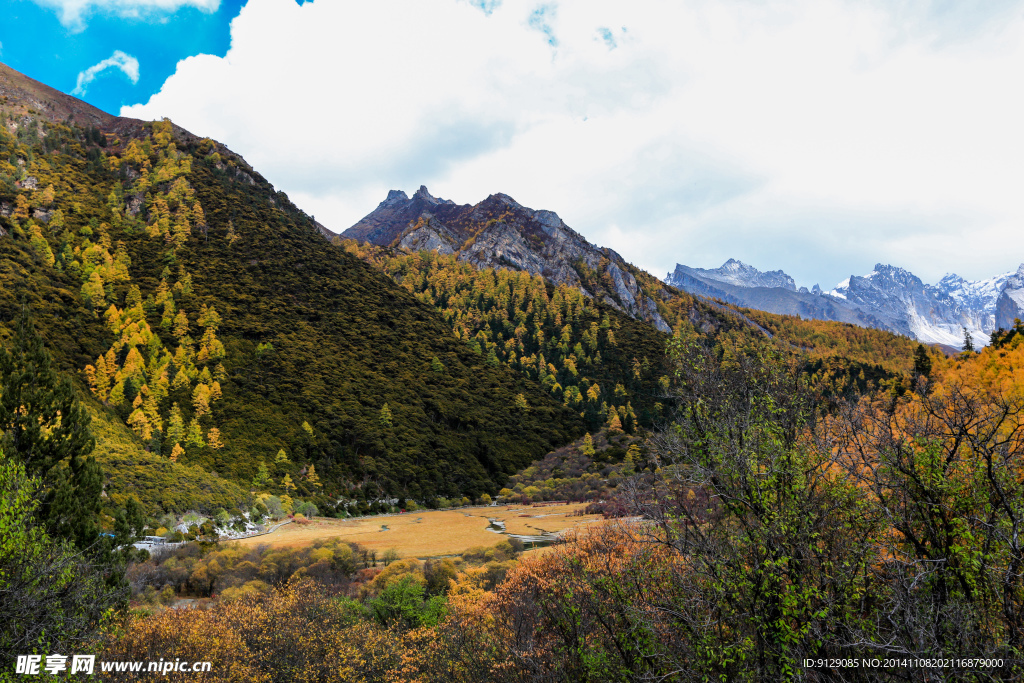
429,533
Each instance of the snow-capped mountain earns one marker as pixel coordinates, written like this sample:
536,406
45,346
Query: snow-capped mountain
888,298
933,314
981,294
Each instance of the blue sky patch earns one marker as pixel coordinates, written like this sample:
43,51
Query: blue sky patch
488,6
37,44
539,21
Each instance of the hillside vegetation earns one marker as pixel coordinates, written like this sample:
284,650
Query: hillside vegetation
590,356
209,315
885,530
160,484
598,360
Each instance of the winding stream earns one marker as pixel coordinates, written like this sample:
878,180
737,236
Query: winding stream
537,541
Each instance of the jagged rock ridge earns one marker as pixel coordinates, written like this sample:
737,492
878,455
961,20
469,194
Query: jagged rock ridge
501,233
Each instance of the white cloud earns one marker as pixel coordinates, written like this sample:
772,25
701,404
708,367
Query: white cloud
817,136
73,12
119,60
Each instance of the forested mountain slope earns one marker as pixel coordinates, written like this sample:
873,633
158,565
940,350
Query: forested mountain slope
211,316
590,355
482,267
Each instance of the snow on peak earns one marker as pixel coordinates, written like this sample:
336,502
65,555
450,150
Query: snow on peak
841,289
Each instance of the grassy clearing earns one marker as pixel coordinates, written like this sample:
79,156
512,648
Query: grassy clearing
431,532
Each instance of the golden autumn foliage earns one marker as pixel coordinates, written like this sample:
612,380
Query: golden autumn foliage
623,601
829,339
152,195
561,615
299,633
551,333
284,615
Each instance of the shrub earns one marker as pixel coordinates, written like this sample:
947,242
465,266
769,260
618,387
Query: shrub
403,603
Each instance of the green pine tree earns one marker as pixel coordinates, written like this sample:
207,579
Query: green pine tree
175,427
43,426
386,419
194,436
922,362
52,595
262,477
968,340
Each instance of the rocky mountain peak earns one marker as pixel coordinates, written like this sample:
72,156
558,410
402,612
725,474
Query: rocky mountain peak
499,232
423,195
950,281
502,197
889,297
385,224
887,275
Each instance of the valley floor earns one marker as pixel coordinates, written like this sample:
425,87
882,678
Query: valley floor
430,533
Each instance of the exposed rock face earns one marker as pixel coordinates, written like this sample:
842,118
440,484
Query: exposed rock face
323,229
433,236
888,298
134,204
1010,304
391,217
501,233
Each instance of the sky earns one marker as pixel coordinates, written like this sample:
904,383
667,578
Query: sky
814,136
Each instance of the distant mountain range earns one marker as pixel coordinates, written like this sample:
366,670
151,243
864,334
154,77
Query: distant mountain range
887,298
